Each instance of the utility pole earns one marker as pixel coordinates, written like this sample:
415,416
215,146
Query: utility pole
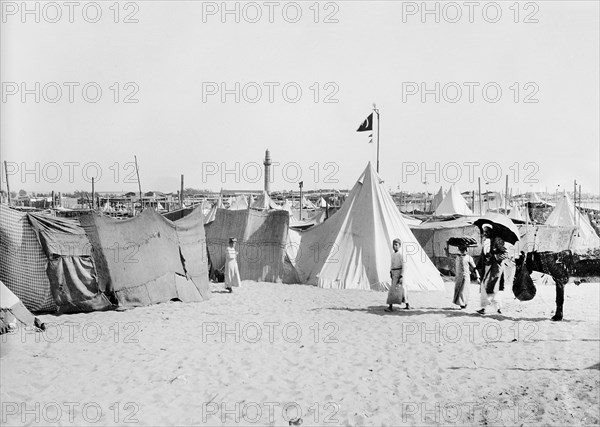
7,184
479,191
301,184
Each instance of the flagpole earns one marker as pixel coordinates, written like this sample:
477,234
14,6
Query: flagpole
377,112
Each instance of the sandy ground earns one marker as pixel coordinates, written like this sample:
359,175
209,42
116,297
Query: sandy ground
269,353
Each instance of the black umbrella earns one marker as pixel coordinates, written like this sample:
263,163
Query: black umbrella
503,226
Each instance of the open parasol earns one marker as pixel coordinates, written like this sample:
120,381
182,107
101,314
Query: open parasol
502,225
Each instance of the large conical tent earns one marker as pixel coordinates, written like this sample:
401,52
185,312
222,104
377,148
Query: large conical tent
453,204
352,249
585,237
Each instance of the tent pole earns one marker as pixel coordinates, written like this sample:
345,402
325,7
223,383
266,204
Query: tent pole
506,196
575,201
93,199
301,184
580,197
137,172
181,194
479,191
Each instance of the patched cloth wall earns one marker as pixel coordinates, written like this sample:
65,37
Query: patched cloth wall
192,243
139,260
262,237
70,267
23,262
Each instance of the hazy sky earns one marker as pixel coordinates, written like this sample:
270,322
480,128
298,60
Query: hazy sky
180,55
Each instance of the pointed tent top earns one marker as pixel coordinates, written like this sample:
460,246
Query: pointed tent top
518,213
534,198
564,214
238,203
437,199
264,202
370,171
453,204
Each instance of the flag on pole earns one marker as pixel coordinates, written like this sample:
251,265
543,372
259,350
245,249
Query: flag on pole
367,124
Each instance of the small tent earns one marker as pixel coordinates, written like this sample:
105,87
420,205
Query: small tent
264,202
12,310
352,249
239,202
519,213
307,204
585,237
453,204
437,199
210,215
317,218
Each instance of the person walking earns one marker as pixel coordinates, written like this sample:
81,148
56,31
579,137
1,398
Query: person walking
464,263
494,254
397,292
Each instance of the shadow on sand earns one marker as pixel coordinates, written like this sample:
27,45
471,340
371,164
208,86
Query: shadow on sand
449,312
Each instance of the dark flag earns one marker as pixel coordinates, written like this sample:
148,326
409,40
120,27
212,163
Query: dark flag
367,124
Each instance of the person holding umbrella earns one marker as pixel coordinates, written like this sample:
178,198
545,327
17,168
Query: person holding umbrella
498,269
493,254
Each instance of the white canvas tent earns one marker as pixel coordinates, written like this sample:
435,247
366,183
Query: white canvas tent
12,310
519,213
238,203
352,249
454,203
210,215
307,204
264,201
437,199
585,237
